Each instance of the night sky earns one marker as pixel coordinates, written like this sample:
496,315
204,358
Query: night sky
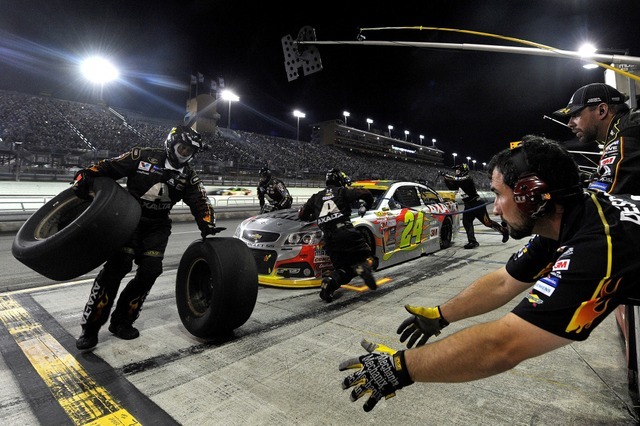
472,103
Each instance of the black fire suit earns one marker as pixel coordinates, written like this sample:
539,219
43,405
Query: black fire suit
276,193
617,172
346,247
158,188
474,208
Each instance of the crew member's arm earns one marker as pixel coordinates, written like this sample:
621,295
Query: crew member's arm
480,351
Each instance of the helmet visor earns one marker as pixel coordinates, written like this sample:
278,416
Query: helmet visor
183,152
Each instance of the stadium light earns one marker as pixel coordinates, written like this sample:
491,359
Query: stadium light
229,96
298,115
468,158
433,142
421,138
474,164
369,122
99,70
346,114
454,158
406,133
390,127
484,165
586,50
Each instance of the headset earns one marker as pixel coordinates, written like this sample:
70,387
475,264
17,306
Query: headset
530,193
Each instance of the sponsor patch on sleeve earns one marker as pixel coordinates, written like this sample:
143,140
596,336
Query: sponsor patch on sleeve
143,165
546,285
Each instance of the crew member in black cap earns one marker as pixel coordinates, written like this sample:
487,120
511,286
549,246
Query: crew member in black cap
598,113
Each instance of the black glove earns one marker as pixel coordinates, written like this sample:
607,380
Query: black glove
422,324
362,210
381,374
82,184
441,173
210,229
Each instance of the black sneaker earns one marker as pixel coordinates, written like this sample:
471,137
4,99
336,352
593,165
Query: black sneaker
364,271
328,286
87,340
471,245
124,331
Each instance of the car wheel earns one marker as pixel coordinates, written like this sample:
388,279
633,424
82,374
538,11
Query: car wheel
216,286
69,236
446,233
368,237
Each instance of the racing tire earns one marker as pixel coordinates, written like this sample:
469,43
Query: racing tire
446,233
216,286
69,236
368,237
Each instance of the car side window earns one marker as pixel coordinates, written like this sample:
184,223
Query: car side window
407,196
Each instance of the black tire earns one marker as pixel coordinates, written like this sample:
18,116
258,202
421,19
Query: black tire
446,233
216,286
69,236
368,237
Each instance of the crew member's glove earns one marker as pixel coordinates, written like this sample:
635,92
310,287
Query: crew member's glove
422,324
82,184
210,229
362,210
382,372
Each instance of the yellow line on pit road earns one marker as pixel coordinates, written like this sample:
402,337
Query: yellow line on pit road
78,394
361,288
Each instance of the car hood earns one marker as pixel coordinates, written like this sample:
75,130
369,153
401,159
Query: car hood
279,221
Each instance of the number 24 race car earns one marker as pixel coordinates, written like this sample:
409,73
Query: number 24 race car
407,220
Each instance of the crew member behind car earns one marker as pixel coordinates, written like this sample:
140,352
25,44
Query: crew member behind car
474,207
274,190
598,113
158,178
348,250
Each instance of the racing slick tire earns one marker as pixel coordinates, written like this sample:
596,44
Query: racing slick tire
69,236
216,286
446,233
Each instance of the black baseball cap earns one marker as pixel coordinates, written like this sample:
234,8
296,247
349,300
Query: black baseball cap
591,94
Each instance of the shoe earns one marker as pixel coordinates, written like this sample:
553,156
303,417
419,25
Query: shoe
328,286
87,340
364,271
505,235
471,245
124,331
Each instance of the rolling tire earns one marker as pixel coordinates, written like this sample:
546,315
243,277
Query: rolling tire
216,286
446,233
69,236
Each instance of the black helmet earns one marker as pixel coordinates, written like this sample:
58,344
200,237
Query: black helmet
337,178
461,169
181,145
265,174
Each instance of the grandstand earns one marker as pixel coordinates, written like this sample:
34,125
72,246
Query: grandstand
47,138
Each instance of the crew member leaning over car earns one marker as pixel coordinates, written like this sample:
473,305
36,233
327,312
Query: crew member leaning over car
158,179
346,247
274,190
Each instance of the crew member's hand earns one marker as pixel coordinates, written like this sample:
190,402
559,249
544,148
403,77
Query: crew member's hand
210,229
421,325
381,373
362,210
82,184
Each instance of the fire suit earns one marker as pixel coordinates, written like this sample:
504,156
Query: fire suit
157,187
617,172
276,193
346,247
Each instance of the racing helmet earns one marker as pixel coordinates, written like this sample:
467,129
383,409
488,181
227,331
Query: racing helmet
181,145
265,175
337,178
461,169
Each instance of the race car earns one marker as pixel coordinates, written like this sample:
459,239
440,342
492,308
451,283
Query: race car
407,220
236,190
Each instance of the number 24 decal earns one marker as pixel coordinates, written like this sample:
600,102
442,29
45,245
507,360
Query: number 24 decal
412,229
